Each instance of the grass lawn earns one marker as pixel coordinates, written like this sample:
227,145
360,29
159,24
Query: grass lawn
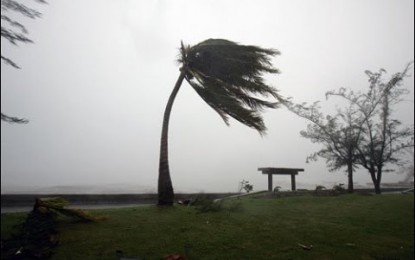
339,227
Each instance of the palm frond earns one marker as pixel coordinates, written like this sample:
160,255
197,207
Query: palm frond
12,119
227,105
229,78
58,205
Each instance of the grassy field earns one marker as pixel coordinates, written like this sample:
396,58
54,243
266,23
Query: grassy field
338,227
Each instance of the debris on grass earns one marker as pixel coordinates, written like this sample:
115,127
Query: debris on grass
350,244
186,202
58,205
37,236
305,247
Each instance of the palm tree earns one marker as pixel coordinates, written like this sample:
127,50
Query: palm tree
228,77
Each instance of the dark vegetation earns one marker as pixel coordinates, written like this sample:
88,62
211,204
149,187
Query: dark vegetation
365,132
36,236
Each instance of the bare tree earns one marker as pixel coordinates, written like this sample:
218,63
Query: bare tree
15,33
339,135
384,137
365,133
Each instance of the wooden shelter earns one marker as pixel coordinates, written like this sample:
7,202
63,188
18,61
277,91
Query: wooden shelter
280,171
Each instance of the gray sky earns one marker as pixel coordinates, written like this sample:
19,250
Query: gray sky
95,83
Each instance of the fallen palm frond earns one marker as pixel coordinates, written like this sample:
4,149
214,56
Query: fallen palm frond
38,235
58,205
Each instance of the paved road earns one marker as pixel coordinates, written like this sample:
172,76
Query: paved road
97,206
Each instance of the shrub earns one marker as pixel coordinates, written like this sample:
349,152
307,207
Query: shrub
248,187
338,187
277,188
320,188
204,204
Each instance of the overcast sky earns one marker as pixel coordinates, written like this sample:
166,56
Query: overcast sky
95,83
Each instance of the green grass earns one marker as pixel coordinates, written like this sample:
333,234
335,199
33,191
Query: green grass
340,227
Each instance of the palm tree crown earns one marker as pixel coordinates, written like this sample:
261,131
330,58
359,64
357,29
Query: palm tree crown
227,76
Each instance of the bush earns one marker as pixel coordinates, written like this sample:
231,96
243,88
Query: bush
248,187
320,188
204,204
339,187
277,188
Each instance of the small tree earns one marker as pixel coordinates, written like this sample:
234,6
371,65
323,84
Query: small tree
364,133
245,185
383,136
339,135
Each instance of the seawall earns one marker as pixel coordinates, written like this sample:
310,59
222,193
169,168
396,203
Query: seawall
25,200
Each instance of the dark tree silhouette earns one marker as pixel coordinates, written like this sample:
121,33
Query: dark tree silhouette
362,134
384,136
339,135
228,77
15,33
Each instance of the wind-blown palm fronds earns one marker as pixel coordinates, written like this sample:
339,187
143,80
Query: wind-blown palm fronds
228,76
12,119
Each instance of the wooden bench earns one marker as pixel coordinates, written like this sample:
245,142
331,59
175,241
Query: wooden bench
280,171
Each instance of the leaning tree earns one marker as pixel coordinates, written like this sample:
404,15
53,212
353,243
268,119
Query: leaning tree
229,78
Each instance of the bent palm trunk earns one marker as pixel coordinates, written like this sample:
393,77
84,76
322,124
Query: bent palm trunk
165,187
